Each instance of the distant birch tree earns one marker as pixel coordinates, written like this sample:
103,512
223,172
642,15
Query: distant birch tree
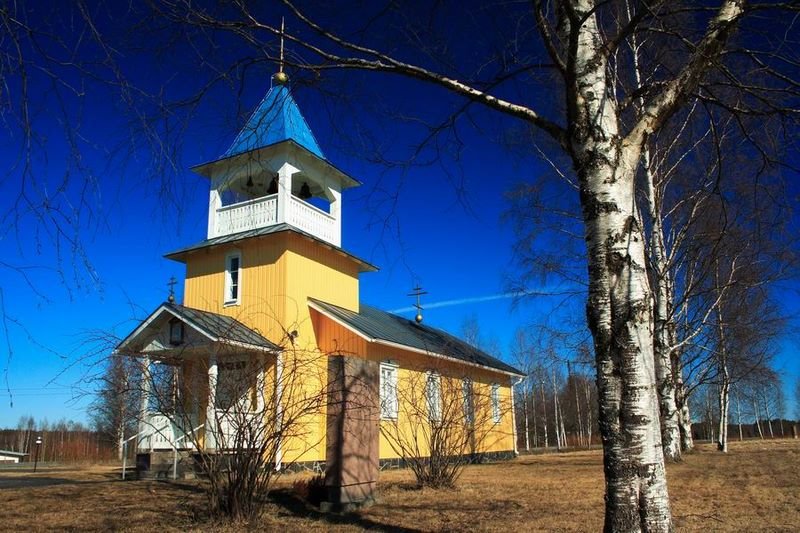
114,410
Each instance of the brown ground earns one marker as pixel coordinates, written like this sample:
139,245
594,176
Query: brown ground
755,487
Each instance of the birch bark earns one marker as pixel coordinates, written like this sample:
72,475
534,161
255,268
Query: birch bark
769,416
664,338
535,422
682,401
739,416
619,308
758,421
544,417
525,414
725,379
588,395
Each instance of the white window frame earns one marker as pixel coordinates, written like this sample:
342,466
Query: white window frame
469,400
227,300
389,404
433,395
496,412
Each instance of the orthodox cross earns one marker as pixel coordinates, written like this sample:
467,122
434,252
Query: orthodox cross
417,291
171,284
281,78
280,65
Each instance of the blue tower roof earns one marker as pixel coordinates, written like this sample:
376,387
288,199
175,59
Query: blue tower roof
277,118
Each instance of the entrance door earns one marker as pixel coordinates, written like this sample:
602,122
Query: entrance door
234,403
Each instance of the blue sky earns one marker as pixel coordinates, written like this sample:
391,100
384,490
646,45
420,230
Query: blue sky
454,254
446,231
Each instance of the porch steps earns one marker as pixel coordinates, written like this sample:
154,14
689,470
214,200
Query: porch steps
159,465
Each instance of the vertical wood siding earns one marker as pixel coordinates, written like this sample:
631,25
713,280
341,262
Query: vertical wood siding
279,274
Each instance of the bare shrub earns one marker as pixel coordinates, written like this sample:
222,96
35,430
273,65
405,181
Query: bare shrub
442,423
260,425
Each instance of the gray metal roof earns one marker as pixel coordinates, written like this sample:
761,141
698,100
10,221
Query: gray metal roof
376,324
259,232
220,326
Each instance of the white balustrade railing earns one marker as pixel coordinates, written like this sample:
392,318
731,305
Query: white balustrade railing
310,219
161,432
236,429
244,216
263,212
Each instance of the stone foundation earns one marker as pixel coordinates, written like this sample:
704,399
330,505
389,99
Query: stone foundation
475,458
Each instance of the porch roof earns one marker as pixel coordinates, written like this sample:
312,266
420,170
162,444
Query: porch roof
212,327
382,327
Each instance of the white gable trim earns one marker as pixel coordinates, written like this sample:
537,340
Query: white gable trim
152,318
164,309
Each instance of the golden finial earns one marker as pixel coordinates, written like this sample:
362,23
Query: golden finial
281,78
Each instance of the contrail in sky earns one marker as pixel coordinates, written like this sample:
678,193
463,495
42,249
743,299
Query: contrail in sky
472,300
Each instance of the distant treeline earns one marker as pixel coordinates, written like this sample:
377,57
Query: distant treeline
763,429
64,441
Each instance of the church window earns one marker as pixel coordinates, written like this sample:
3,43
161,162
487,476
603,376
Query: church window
233,278
388,385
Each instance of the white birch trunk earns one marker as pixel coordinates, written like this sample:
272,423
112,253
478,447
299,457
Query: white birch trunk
120,435
769,417
555,414
684,413
619,308
544,417
725,383
664,336
724,400
525,414
589,422
739,416
559,421
535,422
758,422
578,413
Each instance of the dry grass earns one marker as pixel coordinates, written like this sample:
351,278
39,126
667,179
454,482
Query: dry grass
755,487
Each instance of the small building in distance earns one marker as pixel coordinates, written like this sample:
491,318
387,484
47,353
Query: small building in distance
9,457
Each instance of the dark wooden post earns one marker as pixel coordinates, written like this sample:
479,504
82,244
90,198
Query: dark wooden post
351,459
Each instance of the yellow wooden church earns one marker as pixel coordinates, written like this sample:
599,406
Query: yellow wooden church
271,304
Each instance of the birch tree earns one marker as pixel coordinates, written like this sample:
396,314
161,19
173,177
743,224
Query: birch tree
114,410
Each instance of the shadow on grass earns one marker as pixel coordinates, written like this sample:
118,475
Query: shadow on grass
290,502
24,482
